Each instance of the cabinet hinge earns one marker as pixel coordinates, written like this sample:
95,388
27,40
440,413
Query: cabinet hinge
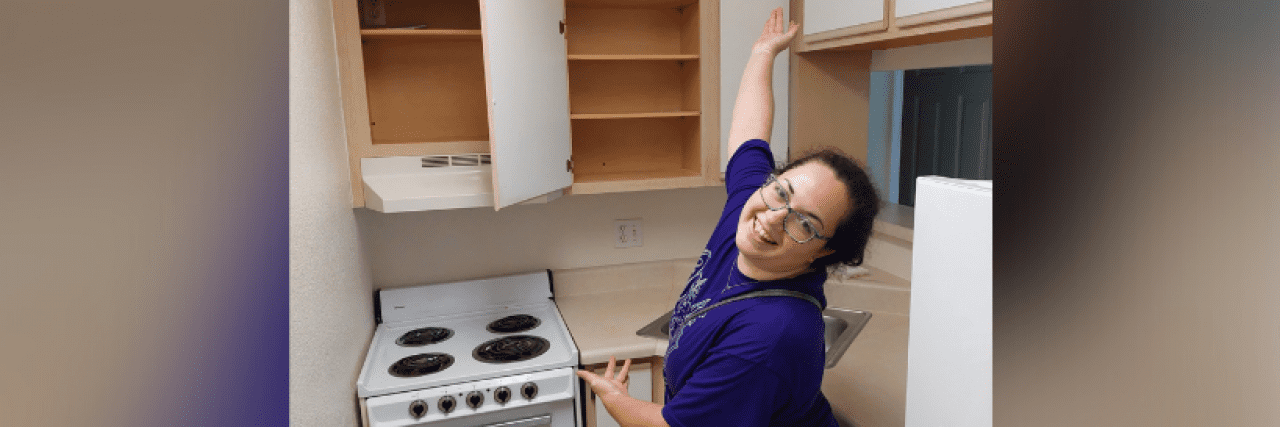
568,165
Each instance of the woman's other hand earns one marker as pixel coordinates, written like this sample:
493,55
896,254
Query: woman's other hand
776,36
609,384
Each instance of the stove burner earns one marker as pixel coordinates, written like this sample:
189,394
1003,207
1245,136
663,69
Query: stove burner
516,323
511,349
420,364
424,336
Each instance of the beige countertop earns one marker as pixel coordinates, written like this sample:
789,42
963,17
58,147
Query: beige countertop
605,306
605,324
897,221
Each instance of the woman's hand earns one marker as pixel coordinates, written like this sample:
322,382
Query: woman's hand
609,384
776,37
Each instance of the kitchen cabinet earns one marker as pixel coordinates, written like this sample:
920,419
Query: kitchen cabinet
841,18
641,94
740,24
831,69
592,95
884,24
646,383
915,12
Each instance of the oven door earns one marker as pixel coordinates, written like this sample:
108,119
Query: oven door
538,421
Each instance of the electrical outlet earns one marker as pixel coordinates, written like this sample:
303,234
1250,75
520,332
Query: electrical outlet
627,233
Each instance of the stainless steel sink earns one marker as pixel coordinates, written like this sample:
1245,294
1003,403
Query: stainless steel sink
842,326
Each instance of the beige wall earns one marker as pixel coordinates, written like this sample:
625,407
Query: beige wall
571,232
948,54
330,292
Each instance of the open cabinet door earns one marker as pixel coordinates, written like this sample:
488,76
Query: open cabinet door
527,79
740,24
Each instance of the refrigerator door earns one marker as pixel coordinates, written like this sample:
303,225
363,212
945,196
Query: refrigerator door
949,342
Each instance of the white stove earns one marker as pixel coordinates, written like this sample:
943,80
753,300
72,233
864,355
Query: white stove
471,353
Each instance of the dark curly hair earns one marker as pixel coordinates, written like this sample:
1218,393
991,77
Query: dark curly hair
852,233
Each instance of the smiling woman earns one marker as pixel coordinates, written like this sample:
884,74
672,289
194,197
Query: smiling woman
746,346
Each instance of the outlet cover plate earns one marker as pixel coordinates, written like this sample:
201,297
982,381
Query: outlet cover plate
628,233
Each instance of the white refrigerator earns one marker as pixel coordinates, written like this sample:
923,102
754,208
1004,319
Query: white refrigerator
949,336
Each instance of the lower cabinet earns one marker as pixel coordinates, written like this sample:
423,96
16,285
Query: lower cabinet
646,384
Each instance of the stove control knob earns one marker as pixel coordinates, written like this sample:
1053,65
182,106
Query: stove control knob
447,404
417,409
474,399
502,395
529,390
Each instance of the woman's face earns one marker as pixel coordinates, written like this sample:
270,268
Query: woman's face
816,193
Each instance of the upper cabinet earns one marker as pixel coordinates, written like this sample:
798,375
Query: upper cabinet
883,24
826,19
642,97
915,12
527,87
740,24
463,103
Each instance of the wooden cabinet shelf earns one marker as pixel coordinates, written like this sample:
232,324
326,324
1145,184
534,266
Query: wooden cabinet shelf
630,150
392,33
636,95
425,90
586,116
675,57
600,87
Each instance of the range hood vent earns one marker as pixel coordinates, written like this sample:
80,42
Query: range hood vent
456,160
404,184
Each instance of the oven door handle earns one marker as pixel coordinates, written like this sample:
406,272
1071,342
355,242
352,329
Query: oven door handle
541,420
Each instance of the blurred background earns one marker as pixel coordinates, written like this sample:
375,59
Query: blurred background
1136,226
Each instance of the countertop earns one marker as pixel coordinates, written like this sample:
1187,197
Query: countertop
605,324
605,306
897,221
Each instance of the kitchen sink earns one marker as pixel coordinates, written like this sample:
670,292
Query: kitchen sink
842,326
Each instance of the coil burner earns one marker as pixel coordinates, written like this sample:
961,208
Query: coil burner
420,364
424,336
512,324
511,349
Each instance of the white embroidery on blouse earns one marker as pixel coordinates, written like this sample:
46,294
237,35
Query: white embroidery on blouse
686,305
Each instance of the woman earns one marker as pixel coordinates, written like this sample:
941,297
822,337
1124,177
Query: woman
757,361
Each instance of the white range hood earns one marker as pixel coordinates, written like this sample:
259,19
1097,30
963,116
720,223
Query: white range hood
416,183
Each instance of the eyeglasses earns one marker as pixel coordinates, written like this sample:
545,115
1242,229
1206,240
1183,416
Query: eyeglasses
799,227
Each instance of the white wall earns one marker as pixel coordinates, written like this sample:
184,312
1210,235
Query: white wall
330,292
571,232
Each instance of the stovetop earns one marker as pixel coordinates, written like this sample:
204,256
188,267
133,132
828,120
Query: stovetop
501,341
